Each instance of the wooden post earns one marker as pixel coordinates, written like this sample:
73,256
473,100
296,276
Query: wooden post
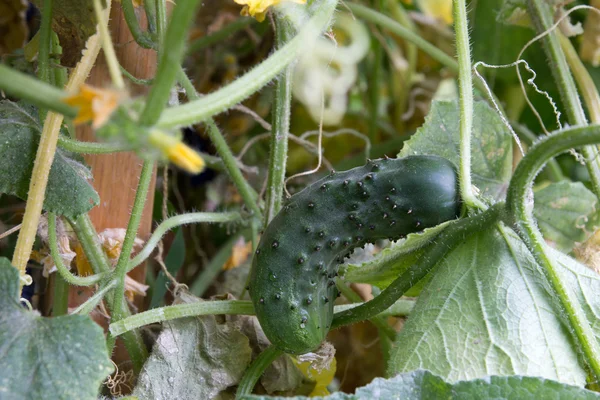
116,175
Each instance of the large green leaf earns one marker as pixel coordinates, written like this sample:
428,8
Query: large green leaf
68,192
488,311
491,144
566,213
47,358
418,385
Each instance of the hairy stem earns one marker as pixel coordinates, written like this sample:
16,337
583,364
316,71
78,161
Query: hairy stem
43,95
201,109
142,38
229,307
118,302
63,271
45,43
107,46
90,304
280,129
465,99
88,238
171,54
402,307
256,369
542,17
178,220
521,212
586,84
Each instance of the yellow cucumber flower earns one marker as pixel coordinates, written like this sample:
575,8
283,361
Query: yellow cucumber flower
258,8
177,152
94,104
438,9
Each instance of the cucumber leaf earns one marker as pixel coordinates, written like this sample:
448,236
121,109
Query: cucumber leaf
566,213
421,384
491,144
488,311
68,193
47,358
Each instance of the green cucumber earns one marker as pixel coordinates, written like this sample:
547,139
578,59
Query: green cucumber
292,283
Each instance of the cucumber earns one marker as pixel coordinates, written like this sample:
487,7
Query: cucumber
292,284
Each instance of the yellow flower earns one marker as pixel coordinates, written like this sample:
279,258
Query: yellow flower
258,8
94,104
177,152
438,9
321,378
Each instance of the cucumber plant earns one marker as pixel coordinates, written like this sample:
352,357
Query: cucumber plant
292,284
498,299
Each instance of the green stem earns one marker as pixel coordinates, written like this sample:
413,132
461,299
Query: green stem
465,99
218,36
226,97
373,89
378,321
173,222
170,59
229,307
522,214
60,303
402,307
256,369
132,228
90,304
150,9
586,84
554,171
542,17
107,47
63,271
161,22
88,238
45,43
451,237
22,86
137,81
280,129
142,38
77,146
248,194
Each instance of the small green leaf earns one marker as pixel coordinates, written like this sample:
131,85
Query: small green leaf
566,213
421,384
391,262
47,358
491,144
68,192
487,311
